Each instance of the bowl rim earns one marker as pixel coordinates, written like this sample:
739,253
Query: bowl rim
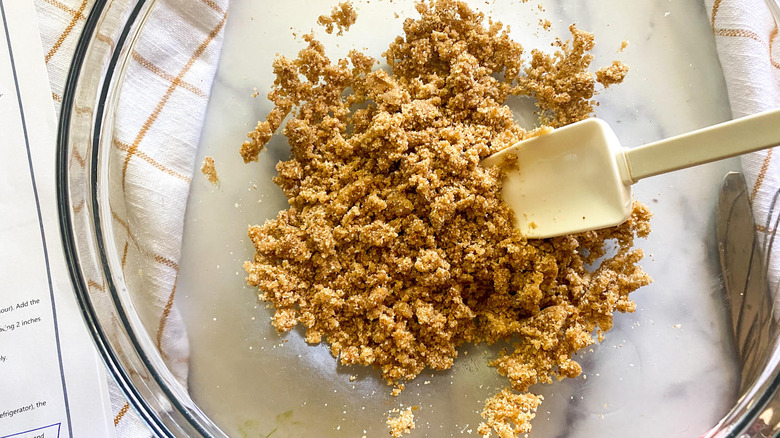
119,367
733,424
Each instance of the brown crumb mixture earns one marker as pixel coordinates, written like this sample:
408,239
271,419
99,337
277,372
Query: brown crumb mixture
402,423
561,83
509,414
342,17
210,171
397,247
614,74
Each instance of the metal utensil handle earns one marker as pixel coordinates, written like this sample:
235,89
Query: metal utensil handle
745,259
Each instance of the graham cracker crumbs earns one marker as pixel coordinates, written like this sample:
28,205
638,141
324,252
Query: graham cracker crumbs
545,23
210,171
401,424
398,390
342,17
623,45
614,74
509,414
397,247
561,82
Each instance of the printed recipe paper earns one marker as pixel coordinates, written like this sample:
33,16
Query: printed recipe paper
51,381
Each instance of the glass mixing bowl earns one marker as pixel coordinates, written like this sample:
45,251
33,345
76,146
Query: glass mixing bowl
669,369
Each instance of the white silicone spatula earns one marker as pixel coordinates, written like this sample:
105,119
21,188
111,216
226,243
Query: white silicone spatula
578,178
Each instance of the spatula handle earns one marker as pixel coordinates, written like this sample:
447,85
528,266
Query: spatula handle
725,140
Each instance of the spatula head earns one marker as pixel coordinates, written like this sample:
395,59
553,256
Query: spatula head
567,181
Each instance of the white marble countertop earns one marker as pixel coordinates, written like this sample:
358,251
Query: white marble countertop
664,371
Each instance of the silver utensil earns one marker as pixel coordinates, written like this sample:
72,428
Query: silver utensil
744,262
744,273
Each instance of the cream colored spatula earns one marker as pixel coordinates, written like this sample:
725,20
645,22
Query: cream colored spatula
578,178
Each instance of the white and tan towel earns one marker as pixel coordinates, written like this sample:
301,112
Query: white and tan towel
746,34
162,106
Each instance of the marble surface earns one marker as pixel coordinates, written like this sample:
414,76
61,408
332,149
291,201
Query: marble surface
666,370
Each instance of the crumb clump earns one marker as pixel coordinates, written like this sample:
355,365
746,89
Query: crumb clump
623,45
402,423
210,171
397,248
342,17
509,414
613,74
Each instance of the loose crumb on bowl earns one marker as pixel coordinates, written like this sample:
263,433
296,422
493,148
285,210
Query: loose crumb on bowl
210,171
613,74
402,423
341,17
509,414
